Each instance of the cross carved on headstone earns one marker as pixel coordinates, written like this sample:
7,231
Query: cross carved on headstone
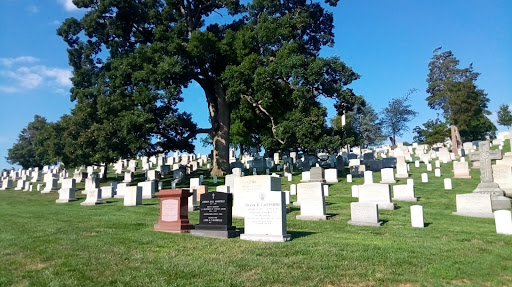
485,155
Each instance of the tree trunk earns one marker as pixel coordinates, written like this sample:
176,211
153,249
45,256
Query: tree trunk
220,117
105,172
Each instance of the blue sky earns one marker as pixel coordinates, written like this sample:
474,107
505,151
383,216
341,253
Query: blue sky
388,42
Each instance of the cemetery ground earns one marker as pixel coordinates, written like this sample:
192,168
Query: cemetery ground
47,244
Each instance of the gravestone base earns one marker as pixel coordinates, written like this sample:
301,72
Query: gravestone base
402,175
222,234
311,217
388,181
65,200
387,206
173,227
296,203
474,214
489,187
498,200
85,203
409,199
363,223
314,180
266,238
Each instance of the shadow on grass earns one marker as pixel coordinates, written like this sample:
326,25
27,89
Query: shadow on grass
299,234
427,224
332,215
149,204
292,208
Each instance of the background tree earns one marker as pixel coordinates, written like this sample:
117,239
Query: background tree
396,116
505,116
369,126
432,132
453,90
468,105
267,54
24,152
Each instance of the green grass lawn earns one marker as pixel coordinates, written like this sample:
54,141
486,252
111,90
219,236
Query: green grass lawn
47,244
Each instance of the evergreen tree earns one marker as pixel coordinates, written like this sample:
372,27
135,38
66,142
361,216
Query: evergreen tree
453,90
505,116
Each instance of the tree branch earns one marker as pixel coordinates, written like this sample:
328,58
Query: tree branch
256,104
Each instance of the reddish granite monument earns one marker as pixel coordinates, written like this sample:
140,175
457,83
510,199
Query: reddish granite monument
174,211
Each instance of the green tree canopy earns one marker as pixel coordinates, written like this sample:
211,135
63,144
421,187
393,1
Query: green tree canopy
432,132
24,152
453,90
469,107
140,55
443,68
504,116
397,115
369,125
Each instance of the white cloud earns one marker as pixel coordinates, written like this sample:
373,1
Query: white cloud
18,60
27,77
68,5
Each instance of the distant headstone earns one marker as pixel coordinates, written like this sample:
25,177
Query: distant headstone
461,169
474,205
349,178
417,216
503,221
316,174
368,177
312,201
437,172
357,170
502,175
401,168
424,177
355,190
387,175
378,193
148,188
404,192
447,183
364,214
331,175
133,196
293,189
93,197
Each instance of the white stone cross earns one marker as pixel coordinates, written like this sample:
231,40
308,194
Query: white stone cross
485,155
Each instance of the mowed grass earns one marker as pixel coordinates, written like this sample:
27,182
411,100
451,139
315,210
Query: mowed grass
47,244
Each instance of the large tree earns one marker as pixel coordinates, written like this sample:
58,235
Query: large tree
267,55
453,90
397,115
504,116
24,151
369,126
469,109
432,132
